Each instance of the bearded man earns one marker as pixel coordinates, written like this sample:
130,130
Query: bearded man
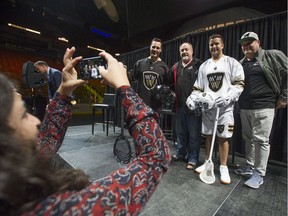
188,123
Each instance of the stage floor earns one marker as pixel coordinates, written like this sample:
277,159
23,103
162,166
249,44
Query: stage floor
180,192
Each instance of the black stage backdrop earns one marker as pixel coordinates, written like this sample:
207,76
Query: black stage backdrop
272,32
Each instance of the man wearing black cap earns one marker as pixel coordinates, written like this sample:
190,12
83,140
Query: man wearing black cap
265,90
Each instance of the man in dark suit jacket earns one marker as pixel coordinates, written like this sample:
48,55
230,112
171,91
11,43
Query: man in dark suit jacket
53,76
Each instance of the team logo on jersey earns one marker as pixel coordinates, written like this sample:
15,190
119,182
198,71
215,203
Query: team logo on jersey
256,63
215,81
150,79
220,128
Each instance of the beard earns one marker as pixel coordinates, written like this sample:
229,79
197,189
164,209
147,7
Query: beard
185,58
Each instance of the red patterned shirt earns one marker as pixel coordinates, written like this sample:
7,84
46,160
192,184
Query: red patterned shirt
126,190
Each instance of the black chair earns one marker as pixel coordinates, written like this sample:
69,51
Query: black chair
107,105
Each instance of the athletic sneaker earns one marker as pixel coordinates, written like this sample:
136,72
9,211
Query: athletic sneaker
255,181
201,168
224,173
245,170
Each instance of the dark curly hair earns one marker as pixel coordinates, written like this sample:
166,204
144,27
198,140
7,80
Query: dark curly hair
26,177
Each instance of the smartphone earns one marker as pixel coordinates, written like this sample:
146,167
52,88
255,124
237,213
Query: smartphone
89,68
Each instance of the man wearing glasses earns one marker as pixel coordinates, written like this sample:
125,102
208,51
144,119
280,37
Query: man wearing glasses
264,92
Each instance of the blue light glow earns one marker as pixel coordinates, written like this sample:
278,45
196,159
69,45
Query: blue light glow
102,33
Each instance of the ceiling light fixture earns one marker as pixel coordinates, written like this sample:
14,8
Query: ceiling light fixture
63,39
109,8
95,48
23,28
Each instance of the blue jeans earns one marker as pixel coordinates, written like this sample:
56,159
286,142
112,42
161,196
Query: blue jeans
188,130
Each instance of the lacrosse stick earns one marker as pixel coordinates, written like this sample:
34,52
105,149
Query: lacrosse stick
122,148
207,176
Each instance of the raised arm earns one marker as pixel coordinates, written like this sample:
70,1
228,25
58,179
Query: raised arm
126,190
58,112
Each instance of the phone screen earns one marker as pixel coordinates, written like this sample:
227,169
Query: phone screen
89,68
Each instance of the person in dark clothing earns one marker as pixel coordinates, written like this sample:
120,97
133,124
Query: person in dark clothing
265,91
52,75
188,123
150,72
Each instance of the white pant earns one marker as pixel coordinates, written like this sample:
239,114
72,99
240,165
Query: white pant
256,129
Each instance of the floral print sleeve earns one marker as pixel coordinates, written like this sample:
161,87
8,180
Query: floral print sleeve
127,190
54,125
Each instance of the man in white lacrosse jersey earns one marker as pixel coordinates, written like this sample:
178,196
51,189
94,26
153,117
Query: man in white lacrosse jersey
219,84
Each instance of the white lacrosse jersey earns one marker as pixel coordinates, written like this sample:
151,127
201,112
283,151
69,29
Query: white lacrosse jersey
226,76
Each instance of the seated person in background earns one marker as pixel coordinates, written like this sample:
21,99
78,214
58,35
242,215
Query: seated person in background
29,186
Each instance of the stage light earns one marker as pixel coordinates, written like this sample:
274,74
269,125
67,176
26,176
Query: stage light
23,28
95,48
63,39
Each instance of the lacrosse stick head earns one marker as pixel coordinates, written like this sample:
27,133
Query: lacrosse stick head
122,150
207,176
